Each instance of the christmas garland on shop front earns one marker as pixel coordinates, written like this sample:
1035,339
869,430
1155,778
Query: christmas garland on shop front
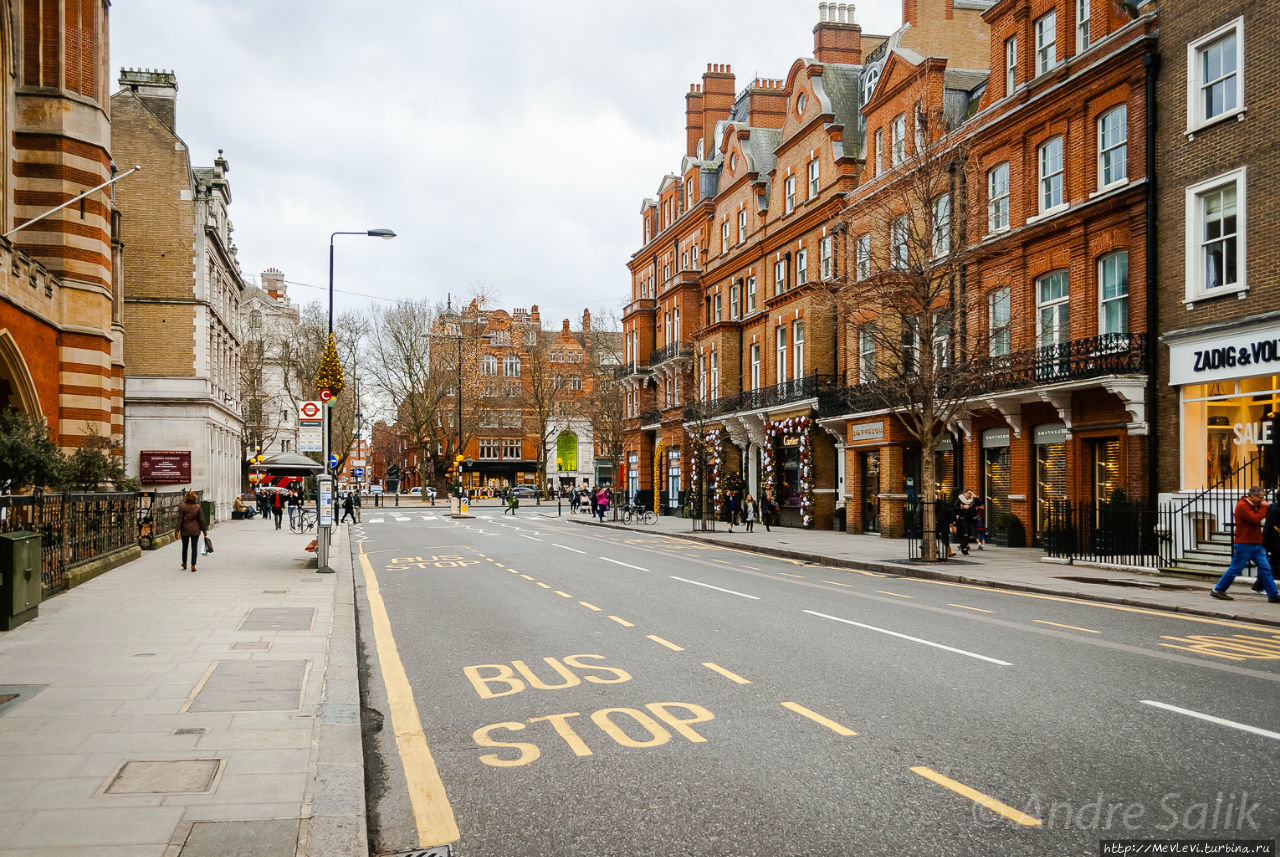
774,432
657,477
708,442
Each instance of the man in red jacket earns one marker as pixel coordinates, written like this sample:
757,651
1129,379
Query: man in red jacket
1246,547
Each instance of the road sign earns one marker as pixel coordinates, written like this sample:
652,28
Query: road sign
326,395
357,472
357,462
310,412
333,459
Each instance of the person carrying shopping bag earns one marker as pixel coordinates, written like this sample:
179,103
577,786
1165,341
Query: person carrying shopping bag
191,526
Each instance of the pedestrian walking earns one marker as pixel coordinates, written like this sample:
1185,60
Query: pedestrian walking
602,502
191,526
593,497
768,510
513,503
749,513
966,504
980,525
277,507
574,500
355,500
264,509
726,509
944,521
1246,547
348,508
1270,543
295,507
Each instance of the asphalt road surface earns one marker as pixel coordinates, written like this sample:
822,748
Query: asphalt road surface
546,688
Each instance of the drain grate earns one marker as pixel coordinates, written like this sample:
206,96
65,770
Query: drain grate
436,851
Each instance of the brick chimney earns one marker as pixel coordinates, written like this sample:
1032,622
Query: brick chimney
836,38
717,101
273,283
158,90
692,119
766,103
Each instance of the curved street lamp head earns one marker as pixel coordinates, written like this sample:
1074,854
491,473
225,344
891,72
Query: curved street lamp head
381,233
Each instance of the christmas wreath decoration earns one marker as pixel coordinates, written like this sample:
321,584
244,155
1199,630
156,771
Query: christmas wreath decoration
774,432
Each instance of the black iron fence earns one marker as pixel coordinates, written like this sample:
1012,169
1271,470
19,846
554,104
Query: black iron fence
73,528
1119,533
158,513
765,397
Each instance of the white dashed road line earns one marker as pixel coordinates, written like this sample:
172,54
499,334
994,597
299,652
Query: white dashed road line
716,588
912,639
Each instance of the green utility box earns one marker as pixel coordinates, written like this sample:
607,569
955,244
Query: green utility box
207,507
20,584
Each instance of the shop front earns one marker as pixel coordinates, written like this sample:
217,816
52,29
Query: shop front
1229,407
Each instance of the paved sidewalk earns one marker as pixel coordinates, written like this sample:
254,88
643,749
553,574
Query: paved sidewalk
1024,569
162,713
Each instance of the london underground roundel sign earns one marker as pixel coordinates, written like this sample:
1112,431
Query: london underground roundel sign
309,410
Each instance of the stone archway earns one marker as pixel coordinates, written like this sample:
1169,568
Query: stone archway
17,389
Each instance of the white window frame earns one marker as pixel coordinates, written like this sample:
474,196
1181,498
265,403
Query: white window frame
1059,306
755,365
941,341
724,235
779,276
714,387
1010,64
1195,242
941,225
998,197
797,349
789,195
780,345
1082,26
489,365
826,247
675,324
877,165
899,252
693,256
735,300
1000,321
716,305
1051,176
702,378
1046,29
866,354
899,142
511,366
1196,117
1113,152
862,256
1107,265
511,449
802,266
751,293
814,184
742,226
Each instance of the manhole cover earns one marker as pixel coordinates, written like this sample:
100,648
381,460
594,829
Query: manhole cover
252,686
243,838
188,776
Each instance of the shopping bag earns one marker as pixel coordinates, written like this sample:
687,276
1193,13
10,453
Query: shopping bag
208,546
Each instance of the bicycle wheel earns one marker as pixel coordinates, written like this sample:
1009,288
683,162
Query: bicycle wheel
650,517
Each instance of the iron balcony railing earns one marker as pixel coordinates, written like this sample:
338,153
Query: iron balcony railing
1079,359
763,398
626,369
648,418
666,352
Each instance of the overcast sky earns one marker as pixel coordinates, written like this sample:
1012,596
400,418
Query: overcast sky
507,143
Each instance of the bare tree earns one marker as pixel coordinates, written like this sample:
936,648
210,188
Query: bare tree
900,296
542,396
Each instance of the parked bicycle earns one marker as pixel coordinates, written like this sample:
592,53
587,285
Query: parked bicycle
639,514
304,521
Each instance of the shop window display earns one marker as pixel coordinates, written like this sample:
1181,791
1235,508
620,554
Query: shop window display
995,474
1231,427
1051,471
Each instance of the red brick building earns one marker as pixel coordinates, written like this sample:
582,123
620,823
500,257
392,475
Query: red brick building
762,244
61,351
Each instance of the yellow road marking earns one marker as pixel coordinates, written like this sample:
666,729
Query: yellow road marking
1072,627
717,559
819,719
977,797
498,564
526,577
623,622
752,567
894,594
543,585
730,675
589,606
967,607
1237,647
833,583
563,594
432,813
789,574
513,571
661,642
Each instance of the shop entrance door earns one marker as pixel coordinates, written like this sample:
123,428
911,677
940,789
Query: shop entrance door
869,471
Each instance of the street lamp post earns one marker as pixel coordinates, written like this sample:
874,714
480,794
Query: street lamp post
326,487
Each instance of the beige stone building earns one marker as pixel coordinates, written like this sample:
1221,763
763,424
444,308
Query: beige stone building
182,295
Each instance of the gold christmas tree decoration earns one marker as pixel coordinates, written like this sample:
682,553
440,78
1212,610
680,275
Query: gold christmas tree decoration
330,375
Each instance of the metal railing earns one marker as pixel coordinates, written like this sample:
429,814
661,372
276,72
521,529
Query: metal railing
650,417
667,352
1118,533
765,397
158,513
73,528
625,369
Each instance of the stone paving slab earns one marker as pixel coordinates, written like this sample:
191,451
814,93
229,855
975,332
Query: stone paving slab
125,664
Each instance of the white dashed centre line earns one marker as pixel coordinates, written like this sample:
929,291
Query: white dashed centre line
912,639
717,588
619,562
566,547
1243,727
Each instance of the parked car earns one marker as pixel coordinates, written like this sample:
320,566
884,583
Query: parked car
415,491
418,491
524,492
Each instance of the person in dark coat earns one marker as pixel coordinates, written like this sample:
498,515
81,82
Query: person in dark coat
966,519
943,517
768,510
277,507
348,508
1270,542
191,526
